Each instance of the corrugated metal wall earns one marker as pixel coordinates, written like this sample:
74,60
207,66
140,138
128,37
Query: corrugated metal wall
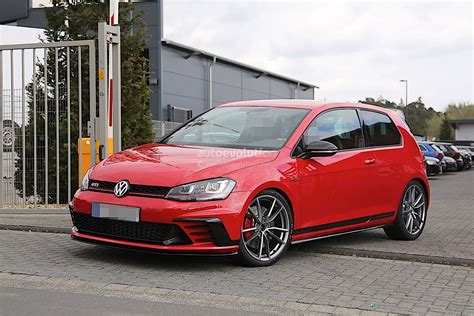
186,83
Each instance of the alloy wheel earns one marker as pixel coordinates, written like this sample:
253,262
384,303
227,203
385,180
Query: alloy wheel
266,228
414,209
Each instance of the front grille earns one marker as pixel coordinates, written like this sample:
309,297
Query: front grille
147,232
135,189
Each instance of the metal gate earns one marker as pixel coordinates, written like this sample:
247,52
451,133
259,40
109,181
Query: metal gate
47,96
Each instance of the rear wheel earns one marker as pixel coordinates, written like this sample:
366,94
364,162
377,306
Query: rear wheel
411,217
266,230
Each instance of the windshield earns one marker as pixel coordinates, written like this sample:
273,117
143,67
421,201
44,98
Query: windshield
266,128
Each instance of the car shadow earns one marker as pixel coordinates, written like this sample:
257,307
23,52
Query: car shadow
144,259
177,262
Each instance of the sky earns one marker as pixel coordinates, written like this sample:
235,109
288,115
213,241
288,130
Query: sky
18,35
350,49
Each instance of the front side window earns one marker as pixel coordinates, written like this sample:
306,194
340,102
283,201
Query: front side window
266,128
380,129
339,127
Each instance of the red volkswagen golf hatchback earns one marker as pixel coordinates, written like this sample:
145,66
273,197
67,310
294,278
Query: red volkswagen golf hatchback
251,178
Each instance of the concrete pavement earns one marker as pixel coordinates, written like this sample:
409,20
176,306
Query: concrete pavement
299,283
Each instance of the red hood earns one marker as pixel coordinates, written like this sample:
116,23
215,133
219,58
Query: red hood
170,165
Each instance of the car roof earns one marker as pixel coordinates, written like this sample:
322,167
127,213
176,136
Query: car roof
305,104
437,143
290,103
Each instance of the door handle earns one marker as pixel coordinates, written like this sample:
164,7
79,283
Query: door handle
369,161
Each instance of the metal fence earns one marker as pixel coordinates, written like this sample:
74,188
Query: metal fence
48,93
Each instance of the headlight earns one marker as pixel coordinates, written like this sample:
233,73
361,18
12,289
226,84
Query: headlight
431,162
212,189
85,180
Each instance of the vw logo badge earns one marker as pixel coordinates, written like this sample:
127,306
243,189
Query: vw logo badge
121,188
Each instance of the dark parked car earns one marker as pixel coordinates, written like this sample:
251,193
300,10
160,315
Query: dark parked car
469,150
449,151
466,157
451,164
433,166
430,149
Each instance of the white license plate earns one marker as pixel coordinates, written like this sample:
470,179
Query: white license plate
118,212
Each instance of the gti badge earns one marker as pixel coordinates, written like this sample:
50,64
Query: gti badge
121,188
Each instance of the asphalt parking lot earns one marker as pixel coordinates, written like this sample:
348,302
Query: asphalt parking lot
351,274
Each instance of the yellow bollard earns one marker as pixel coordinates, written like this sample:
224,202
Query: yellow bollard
86,153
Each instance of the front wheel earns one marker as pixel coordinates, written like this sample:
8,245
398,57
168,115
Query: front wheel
266,230
411,217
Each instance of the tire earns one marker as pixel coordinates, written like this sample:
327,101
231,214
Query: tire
412,213
266,230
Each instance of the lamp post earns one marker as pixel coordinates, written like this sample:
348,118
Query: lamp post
406,90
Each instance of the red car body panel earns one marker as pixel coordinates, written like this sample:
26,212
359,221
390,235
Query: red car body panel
354,189
172,165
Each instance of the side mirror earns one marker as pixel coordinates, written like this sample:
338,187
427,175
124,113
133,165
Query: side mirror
319,149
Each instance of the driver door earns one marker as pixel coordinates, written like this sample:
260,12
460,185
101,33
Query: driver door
337,188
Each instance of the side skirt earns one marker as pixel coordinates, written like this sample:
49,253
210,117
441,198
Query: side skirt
334,235
348,222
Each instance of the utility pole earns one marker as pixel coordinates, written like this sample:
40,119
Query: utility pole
115,120
109,123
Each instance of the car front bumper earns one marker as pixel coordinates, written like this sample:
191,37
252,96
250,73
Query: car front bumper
433,170
451,166
164,225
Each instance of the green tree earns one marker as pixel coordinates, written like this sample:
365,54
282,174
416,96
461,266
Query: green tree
416,114
446,131
460,111
433,126
380,102
77,20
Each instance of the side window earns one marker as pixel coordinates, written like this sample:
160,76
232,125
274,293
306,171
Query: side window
340,127
380,129
422,148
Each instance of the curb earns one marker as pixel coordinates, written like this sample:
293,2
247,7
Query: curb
375,254
34,211
36,229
